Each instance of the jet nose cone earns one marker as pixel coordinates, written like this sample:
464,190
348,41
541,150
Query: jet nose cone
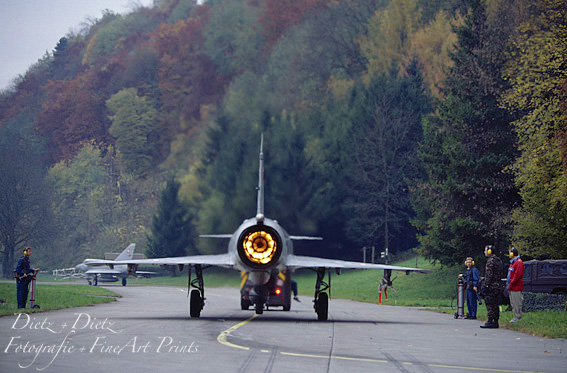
80,267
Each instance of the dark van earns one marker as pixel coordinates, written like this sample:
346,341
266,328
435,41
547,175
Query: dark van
279,290
545,276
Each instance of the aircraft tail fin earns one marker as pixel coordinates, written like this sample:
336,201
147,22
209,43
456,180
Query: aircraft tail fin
260,209
128,252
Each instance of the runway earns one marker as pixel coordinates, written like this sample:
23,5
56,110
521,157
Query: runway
148,329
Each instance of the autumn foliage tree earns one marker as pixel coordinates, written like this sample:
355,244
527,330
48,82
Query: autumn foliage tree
134,125
187,78
537,71
25,216
279,15
73,112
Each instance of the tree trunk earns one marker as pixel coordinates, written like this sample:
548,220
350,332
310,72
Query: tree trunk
8,262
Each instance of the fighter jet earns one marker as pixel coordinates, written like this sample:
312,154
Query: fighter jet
96,270
258,247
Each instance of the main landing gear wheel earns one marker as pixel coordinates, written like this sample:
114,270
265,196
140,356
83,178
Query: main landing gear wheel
322,307
197,295
95,282
123,282
195,303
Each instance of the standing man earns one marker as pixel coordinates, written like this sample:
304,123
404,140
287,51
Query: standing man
24,274
515,284
471,278
491,287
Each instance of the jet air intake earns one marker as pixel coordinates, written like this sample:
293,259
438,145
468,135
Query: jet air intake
259,246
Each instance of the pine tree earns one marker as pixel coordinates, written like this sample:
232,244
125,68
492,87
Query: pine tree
386,133
467,198
172,230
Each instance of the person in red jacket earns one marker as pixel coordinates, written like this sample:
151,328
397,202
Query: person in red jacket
515,284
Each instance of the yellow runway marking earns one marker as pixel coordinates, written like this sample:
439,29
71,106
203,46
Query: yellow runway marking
222,339
334,357
479,369
209,293
222,336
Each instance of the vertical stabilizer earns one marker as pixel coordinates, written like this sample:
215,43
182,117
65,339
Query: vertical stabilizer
260,209
128,253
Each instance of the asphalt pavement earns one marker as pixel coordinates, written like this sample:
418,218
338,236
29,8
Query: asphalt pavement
148,329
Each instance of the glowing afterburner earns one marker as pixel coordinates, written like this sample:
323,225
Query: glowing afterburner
259,247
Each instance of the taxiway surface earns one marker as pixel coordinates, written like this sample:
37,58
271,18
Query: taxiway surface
148,330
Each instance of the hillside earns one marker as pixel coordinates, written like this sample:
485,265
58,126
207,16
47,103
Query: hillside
399,124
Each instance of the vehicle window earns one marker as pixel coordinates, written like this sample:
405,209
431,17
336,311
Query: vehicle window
528,272
563,269
547,269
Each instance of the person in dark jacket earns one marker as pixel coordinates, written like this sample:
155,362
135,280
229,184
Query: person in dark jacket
471,279
24,274
492,286
515,283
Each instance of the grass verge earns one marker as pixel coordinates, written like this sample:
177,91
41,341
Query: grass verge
54,297
551,324
423,290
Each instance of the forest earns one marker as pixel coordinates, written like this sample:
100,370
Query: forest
427,126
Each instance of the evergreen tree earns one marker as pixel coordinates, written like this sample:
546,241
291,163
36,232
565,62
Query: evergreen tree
362,161
384,158
230,175
466,199
172,231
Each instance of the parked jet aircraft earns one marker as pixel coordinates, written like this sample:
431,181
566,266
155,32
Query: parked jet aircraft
258,247
96,270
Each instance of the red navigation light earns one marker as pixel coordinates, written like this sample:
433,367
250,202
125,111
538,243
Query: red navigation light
278,291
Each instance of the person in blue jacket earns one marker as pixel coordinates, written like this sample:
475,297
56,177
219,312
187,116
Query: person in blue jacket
471,279
24,274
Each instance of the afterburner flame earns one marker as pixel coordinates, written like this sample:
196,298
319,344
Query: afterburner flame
259,247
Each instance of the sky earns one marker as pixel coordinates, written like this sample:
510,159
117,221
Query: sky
29,28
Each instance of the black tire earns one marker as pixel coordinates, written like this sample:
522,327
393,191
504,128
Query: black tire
35,306
195,303
244,305
259,307
90,282
322,308
287,307
95,282
123,282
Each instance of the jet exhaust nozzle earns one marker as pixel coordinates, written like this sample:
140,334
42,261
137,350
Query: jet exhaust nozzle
259,246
